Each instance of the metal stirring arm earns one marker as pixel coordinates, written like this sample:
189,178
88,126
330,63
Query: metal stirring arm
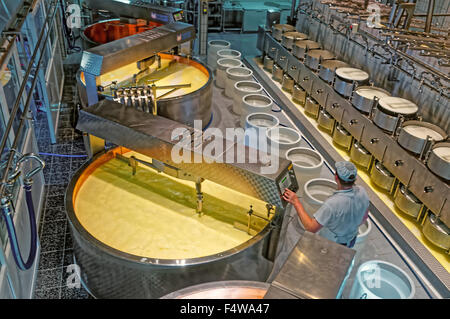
161,167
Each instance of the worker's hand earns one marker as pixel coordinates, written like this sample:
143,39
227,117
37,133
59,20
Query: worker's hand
290,197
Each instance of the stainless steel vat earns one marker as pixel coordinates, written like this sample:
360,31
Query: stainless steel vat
389,110
347,79
412,139
288,83
314,58
407,202
436,232
184,109
328,69
301,47
439,160
110,273
364,98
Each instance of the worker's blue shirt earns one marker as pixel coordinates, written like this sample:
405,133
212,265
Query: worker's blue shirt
342,214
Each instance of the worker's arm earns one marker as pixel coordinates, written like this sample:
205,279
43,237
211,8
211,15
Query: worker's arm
309,223
365,216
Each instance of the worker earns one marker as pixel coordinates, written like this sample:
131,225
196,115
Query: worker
340,216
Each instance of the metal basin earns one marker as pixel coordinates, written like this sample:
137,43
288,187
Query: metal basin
279,29
223,290
326,121
315,57
328,69
107,271
347,79
183,108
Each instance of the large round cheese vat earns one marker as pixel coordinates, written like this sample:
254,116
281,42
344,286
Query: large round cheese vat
184,105
223,290
138,236
114,29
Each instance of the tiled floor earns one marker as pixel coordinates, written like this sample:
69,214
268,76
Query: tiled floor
55,239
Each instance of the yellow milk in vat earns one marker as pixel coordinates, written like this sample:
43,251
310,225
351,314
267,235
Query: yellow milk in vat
153,215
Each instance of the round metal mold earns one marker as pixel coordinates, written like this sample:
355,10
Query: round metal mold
347,79
328,69
436,232
268,63
326,121
414,134
236,75
242,89
342,137
389,110
314,58
407,202
360,155
299,95
213,47
289,38
382,177
312,108
364,96
277,73
300,48
184,109
439,160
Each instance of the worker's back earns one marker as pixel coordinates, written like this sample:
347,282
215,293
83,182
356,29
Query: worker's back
342,214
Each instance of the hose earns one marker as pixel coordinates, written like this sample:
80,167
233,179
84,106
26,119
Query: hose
7,215
70,38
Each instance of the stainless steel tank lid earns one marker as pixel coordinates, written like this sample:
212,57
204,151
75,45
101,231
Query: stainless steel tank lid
423,129
398,105
371,92
333,64
311,45
352,74
295,35
321,54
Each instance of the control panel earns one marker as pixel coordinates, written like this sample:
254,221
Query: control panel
288,180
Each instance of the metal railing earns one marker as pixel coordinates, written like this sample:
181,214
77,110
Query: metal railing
43,39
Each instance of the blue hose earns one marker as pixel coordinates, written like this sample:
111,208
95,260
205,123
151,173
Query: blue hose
6,210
